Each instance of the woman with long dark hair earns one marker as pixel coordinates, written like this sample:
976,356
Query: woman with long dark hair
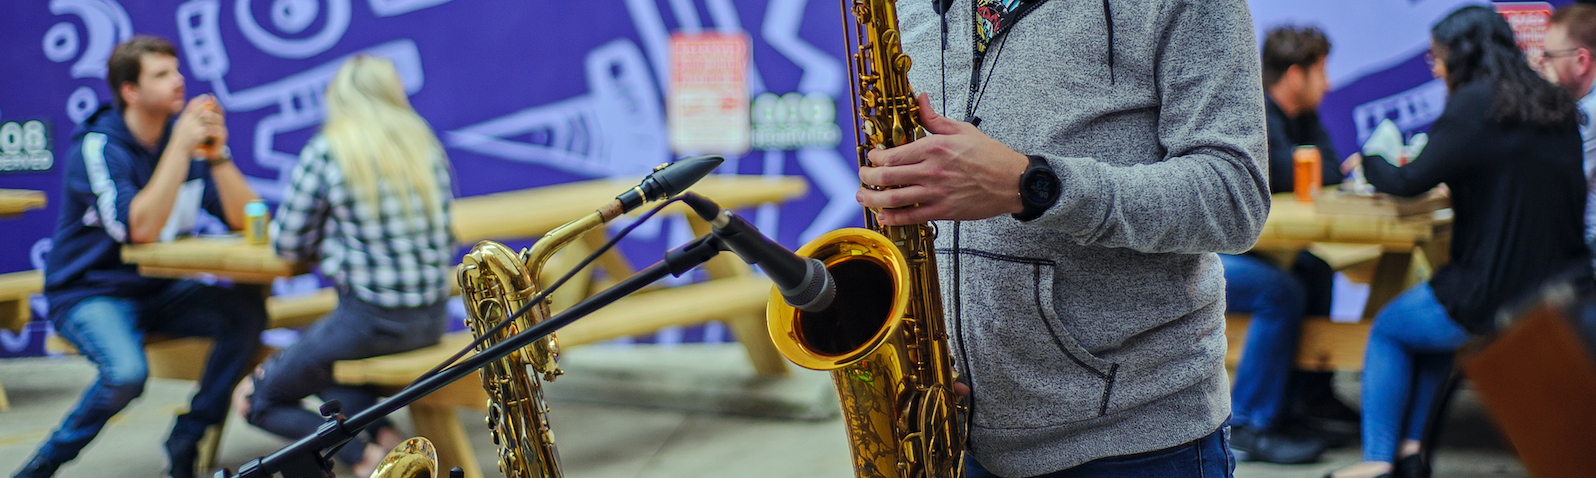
1508,148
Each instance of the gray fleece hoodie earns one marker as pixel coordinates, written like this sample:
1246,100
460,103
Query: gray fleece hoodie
1097,329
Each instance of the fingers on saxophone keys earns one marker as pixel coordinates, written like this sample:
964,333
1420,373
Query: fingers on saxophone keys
890,176
909,215
895,197
906,154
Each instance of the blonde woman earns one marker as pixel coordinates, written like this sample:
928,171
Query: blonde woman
370,199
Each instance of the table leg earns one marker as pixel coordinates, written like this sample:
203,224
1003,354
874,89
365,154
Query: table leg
752,332
1390,279
441,426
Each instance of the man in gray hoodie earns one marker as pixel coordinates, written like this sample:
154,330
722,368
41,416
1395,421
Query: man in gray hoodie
1106,153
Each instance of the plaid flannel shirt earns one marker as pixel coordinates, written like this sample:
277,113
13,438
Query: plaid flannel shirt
383,255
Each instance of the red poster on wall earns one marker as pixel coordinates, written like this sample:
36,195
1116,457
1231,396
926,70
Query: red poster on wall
708,104
1530,21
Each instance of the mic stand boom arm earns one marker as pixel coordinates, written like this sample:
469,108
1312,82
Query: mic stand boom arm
303,459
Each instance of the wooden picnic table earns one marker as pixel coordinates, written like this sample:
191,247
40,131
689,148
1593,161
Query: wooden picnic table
530,213
16,201
1409,247
522,214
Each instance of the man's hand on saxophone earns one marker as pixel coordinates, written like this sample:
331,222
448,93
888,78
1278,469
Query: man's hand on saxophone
959,173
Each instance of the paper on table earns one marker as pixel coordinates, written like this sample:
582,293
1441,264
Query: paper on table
184,210
1386,141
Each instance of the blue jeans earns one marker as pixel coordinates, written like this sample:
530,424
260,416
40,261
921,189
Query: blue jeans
355,330
110,332
1206,457
1408,358
1275,299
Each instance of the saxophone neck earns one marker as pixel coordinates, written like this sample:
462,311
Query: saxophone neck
540,252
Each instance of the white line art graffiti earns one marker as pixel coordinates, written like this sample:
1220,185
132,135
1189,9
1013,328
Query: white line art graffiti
107,24
338,14
294,16
388,8
823,74
617,129
198,28
61,42
82,103
686,16
656,39
298,96
726,21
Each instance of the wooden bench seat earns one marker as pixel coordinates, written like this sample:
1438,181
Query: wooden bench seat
734,300
16,289
1325,346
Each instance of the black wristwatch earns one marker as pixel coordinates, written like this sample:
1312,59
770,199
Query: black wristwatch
220,159
1039,189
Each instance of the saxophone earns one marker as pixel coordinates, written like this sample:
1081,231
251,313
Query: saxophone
495,281
882,338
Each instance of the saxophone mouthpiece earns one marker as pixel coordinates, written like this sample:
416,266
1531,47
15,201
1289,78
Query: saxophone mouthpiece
669,180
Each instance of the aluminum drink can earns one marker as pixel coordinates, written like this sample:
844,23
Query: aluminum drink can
1309,175
256,223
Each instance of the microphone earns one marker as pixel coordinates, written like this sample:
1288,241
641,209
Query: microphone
668,180
804,282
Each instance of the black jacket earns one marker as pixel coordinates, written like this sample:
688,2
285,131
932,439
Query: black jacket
1518,194
1285,134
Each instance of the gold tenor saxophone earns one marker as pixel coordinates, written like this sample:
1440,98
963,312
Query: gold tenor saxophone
496,281
415,458
882,338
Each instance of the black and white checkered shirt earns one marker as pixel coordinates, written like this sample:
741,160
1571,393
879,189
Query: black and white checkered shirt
385,256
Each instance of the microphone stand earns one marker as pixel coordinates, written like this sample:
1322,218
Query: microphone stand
303,458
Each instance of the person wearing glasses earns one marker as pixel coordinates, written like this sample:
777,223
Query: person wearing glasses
1508,147
1568,62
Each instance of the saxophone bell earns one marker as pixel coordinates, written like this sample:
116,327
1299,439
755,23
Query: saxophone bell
871,280
415,458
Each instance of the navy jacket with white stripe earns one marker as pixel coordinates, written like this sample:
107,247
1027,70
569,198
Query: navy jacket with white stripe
102,172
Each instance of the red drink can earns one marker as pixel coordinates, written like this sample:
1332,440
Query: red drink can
1309,175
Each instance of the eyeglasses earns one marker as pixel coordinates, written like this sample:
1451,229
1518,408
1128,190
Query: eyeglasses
1429,59
1558,53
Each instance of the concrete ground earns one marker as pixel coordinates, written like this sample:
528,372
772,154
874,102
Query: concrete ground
663,427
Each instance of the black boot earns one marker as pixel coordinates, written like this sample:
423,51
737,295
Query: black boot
1411,466
38,467
1251,444
182,452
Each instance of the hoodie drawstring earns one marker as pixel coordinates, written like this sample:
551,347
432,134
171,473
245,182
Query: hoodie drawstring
1108,17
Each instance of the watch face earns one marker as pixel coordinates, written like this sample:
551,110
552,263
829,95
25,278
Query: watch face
1040,187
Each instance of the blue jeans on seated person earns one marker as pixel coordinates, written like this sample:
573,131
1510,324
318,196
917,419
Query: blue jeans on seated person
1275,299
1408,358
355,330
110,332
1206,457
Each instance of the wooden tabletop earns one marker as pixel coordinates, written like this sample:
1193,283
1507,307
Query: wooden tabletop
504,216
530,213
15,201
1294,225
227,257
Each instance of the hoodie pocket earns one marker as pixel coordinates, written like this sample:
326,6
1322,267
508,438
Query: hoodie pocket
1025,368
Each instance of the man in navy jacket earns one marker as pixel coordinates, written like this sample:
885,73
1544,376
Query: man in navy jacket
136,175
